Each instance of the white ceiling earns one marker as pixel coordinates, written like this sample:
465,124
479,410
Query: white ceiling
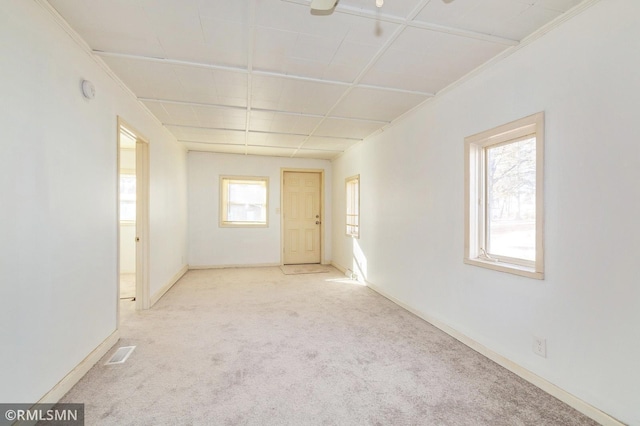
268,77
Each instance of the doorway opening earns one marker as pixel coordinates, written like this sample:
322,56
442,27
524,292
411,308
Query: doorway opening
133,219
302,213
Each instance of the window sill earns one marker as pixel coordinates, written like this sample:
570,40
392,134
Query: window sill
244,225
510,268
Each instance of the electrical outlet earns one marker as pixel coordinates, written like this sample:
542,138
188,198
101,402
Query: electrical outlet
540,346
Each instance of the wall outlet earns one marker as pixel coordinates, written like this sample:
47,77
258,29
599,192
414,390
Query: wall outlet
540,346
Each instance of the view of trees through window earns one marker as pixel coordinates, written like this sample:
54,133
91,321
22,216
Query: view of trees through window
247,201
511,199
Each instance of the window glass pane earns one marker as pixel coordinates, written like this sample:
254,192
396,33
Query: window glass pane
353,206
511,199
247,201
127,197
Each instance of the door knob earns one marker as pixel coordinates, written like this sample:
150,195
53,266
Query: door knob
317,222
137,239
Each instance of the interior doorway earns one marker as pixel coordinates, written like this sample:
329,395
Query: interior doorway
133,219
302,212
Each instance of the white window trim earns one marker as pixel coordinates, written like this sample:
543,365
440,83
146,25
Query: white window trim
346,187
474,193
223,203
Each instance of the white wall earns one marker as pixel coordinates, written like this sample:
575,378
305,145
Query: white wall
58,223
211,245
584,75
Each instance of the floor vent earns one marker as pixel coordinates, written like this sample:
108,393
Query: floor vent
121,355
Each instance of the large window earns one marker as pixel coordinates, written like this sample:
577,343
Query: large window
243,201
353,206
503,197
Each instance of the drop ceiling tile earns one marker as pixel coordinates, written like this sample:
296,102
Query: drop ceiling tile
268,121
118,26
318,154
225,40
195,134
158,110
273,152
503,18
526,23
208,147
421,60
276,140
328,144
147,79
345,128
212,86
298,19
294,95
180,115
397,8
559,5
224,118
373,104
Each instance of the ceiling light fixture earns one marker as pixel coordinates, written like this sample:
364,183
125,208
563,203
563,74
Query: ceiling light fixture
379,3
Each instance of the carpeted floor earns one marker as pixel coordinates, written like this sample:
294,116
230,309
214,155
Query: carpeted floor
257,347
127,286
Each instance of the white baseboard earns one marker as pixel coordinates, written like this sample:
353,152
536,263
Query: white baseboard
253,265
564,396
59,390
165,288
339,267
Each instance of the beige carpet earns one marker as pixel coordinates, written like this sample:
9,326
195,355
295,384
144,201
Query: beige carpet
306,269
256,347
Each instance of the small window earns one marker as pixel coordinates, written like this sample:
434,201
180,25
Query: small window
127,197
503,197
243,201
353,206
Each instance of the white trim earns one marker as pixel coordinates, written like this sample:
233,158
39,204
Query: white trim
253,265
165,288
553,390
63,386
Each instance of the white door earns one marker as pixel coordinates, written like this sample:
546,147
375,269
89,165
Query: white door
301,218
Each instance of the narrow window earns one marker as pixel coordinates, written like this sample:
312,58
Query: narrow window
353,206
503,197
243,201
128,197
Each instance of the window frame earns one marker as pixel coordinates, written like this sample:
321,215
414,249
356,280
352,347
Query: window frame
223,202
476,190
348,181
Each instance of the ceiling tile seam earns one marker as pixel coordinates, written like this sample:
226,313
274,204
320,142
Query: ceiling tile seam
84,46
260,73
381,51
409,21
266,110
250,47
574,11
164,51
263,132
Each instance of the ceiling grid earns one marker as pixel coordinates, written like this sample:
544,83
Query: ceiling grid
271,77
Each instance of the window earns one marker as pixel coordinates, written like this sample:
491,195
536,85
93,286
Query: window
127,197
353,206
504,199
243,201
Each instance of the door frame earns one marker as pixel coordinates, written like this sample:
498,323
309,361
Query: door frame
142,218
284,170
